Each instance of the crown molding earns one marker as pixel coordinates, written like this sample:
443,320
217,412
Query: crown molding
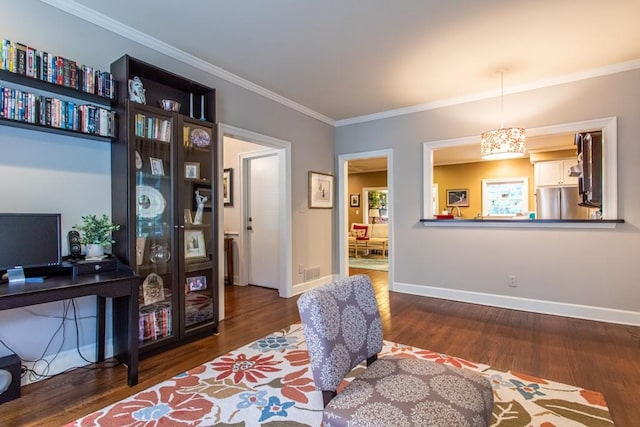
569,78
117,27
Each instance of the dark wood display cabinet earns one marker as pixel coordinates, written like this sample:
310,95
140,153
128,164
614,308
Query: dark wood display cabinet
164,196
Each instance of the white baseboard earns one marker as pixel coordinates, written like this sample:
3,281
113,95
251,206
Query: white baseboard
601,314
305,286
65,360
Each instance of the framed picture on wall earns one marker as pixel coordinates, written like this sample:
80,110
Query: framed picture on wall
227,187
320,190
458,197
354,200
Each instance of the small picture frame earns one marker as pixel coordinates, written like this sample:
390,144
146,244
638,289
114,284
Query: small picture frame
227,187
188,219
157,168
192,170
196,283
194,245
354,200
458,197
320,190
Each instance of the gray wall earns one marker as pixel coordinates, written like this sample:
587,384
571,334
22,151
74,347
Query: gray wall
43,172
594,268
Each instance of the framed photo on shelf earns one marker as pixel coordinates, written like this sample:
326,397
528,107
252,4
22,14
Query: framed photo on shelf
188,219
458,197
192,170
354,200
227,187
196,283
157,168
320,190
194,246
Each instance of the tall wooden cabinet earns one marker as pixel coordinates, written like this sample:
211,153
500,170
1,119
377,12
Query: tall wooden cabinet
164,196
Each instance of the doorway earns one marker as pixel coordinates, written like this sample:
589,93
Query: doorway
346,208
234,146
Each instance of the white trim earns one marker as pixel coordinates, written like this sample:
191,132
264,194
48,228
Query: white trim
555,81
284,155
101,20
144,39
343,208
306,286
600,314
608,125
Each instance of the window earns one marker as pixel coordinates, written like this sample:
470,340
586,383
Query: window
505,196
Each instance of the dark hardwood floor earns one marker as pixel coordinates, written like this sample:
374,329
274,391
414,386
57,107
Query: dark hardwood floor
593,355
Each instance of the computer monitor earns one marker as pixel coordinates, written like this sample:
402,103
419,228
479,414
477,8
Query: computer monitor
30,240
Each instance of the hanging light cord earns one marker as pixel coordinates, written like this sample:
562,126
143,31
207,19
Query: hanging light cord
501,99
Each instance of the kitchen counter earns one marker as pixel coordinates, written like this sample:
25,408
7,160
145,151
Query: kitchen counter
523,223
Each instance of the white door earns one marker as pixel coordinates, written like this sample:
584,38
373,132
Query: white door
262,220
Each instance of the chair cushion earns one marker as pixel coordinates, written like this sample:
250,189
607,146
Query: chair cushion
395,391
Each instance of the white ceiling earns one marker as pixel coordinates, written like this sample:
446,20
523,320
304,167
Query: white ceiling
344,59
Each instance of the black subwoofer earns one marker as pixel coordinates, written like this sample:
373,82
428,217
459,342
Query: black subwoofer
9,378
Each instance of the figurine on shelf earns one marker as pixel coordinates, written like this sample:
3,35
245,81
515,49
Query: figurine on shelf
136,91
200,201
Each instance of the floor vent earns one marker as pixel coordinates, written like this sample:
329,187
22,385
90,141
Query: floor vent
312,273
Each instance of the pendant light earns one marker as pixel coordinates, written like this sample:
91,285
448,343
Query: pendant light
503,143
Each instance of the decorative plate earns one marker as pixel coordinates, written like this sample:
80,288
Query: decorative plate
151,203
200,138
138,161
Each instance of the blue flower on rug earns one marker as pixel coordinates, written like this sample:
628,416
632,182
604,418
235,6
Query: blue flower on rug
497,381
248,399
274,343
152,413
528,391
275,409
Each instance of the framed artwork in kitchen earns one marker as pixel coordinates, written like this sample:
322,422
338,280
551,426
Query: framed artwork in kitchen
458,197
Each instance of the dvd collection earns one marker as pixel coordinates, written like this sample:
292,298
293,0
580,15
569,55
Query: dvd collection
27,107
22,59
21,106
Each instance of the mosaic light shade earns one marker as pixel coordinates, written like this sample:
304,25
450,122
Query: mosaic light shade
505,143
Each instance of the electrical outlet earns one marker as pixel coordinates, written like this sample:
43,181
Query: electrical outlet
512,280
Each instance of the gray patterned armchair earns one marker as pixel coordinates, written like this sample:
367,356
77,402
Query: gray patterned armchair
342,327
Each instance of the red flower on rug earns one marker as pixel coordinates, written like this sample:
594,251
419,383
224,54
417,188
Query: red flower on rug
295,385
156,407
297,357
445,359
242,368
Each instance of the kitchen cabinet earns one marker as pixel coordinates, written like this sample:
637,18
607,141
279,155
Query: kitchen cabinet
164,197
555,173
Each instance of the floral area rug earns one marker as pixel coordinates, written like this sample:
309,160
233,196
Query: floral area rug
376,262
268,383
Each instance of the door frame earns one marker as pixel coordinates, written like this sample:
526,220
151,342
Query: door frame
343,208
283,149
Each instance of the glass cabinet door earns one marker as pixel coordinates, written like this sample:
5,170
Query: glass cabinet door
197,174
155,231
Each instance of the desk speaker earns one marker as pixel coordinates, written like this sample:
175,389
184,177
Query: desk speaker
74,244
9,378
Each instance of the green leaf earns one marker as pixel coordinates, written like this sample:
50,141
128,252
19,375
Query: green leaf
587,415
509,414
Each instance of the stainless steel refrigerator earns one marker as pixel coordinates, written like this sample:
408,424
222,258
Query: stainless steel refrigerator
559,203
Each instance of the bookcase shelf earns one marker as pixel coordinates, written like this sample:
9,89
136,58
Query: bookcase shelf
42,87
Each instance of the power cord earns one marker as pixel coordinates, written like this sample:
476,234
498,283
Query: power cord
36,373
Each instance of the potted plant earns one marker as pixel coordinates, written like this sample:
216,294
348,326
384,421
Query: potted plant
95,234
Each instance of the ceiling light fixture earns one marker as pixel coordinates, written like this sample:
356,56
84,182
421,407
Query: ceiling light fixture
503,143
